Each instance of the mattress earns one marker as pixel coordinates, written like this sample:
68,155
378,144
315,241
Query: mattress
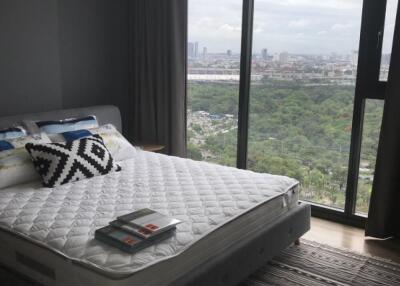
218,205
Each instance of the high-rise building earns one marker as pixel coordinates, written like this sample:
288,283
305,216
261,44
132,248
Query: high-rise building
229,53
354,58
196,49
204,52
190,50
284,57
264,54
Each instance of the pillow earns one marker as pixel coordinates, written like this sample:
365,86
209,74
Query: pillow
65,125
115,142
61,163
15,164
5,145
12,132
75,135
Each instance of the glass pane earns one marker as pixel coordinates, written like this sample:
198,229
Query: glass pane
213,79
371,129
390,19
304,70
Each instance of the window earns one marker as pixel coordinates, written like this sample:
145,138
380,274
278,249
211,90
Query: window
301,100
388,32
213,80
369,148
292,88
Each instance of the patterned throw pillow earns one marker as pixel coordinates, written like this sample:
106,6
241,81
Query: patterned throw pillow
61,163
115,142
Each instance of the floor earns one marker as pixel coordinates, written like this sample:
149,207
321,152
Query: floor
339,235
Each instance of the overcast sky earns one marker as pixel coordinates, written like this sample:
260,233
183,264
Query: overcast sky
295,26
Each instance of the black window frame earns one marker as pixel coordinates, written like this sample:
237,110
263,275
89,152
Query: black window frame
368,86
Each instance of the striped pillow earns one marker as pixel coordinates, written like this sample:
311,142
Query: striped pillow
67,125
12,132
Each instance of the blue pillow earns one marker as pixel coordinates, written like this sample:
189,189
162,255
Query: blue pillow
5,145
66,125
75,135
13,132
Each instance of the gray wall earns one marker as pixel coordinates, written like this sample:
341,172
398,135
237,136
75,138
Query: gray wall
29,56
60,54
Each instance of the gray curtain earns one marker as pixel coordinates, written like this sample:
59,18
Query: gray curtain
158,37
384,211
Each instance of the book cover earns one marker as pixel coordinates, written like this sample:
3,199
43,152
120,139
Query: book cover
126,241
149,220
133,229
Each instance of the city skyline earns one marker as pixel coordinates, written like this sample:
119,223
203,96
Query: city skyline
264,52
195,47
299,27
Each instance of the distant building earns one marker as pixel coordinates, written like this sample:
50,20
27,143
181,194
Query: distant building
284,57
229,53
354,58
204,52
190,50
264,54
196,50
275,57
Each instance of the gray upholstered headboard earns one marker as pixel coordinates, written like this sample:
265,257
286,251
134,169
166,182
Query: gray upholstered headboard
104,113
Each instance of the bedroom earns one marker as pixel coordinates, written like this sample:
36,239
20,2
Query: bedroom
290,88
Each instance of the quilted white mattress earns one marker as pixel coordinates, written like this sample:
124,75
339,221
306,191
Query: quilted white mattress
204,196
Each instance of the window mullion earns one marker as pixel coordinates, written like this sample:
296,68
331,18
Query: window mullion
245,80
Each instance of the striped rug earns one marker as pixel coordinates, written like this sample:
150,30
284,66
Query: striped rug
314,264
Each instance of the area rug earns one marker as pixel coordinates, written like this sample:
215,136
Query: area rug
314,264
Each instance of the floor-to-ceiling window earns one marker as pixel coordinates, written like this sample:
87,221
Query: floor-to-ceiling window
304,70
213,79
312,114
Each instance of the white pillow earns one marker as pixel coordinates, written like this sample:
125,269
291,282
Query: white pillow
115,142
16,166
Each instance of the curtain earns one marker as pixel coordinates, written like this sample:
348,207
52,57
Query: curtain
158,37
384,211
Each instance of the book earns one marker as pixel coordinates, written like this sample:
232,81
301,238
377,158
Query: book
149,222
133,229
126,241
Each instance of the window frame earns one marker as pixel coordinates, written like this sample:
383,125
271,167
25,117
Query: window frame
367,86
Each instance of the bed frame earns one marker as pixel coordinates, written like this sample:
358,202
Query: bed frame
227,268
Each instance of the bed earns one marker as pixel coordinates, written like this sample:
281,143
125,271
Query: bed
234,220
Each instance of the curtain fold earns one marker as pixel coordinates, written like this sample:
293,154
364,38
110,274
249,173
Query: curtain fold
158,37
384,211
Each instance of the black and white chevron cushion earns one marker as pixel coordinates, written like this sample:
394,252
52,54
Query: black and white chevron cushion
61,163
